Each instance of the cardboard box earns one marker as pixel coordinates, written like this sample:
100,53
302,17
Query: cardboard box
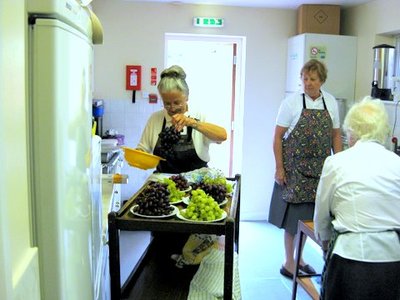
318,19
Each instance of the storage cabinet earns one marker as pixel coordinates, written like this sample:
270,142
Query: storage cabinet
124,220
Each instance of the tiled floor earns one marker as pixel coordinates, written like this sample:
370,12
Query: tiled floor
261,255
260,258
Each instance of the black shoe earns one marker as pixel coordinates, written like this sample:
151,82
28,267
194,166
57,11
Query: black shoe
307,269
286,273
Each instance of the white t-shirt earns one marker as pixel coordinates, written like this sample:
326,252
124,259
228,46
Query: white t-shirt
360,187
154,126
291,107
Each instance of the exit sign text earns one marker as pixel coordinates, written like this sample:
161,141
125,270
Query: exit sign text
208,22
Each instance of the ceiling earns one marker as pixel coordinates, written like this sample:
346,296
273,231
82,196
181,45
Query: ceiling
283,4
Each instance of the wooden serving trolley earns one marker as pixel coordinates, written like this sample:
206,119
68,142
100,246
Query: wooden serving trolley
125,220
305,229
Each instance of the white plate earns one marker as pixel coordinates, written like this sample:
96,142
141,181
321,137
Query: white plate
177,202
224,202
179,215
186,200
174,212
232,184
187,190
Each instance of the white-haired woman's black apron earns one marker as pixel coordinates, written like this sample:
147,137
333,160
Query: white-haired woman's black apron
184,158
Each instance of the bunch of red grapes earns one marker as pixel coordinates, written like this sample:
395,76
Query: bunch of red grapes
217,191
180,182
169,136
154,200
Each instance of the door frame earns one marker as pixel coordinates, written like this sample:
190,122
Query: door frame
238,81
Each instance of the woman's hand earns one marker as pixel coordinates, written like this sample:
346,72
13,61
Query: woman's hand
180,121
280,176
212,131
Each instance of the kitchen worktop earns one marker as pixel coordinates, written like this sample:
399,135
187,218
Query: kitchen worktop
133,244
107,192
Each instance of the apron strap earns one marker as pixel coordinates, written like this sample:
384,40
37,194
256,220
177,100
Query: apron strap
397,230
327,257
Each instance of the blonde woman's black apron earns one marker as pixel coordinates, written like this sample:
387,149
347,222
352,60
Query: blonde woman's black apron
304,153
185,157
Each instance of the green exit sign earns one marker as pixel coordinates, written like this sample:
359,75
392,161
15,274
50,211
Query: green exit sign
208,22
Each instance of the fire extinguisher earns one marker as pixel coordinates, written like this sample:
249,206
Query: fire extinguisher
133,79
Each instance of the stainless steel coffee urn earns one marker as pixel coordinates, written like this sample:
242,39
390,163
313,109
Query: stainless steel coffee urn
383,72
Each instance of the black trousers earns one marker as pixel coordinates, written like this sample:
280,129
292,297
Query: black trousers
355,280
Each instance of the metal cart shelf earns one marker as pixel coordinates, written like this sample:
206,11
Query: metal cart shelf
126,221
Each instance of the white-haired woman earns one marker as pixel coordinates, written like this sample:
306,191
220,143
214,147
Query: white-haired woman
357,210
180,136
195,134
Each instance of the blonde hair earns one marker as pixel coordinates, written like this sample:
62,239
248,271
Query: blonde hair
367,120
172,79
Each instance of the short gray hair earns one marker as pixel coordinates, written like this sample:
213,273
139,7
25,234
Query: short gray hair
367,120
314,65
173,79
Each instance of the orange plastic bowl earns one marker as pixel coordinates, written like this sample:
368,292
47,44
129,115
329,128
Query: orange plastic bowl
140,159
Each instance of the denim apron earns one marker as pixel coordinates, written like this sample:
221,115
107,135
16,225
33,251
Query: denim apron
185,157
304,153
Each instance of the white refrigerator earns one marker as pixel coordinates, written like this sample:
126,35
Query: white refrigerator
65,168
338,52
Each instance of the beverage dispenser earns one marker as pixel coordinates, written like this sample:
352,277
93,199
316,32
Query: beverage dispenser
383,72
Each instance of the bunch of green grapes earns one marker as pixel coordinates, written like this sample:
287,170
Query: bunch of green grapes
219,180
202,207
175,195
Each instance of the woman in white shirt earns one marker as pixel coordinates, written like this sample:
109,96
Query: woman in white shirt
191,151
181,137
358,209
307,131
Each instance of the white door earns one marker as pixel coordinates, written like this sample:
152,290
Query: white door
211,68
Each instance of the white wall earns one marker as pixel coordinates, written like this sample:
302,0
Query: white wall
134,34
373,23
18,260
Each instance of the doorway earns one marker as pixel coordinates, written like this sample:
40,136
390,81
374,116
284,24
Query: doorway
214,69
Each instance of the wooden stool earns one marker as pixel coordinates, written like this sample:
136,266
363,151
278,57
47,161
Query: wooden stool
305,228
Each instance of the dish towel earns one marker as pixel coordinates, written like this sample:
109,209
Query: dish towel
208,282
